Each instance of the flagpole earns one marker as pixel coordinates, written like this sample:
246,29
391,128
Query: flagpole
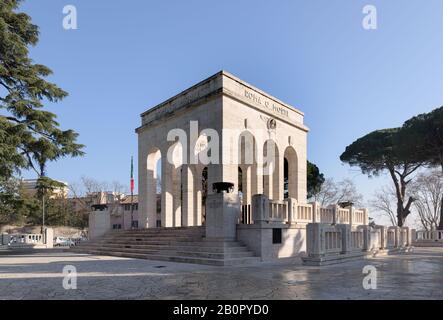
132,193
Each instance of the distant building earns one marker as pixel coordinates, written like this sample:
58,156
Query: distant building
30,187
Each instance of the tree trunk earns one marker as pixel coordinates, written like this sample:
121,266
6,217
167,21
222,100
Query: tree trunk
440,226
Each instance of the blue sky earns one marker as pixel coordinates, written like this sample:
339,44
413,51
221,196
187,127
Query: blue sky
127,56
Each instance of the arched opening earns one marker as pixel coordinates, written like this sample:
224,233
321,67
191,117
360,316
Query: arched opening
153,189
247,161
204,182
175,164
240,184
285,179
158,192
271,171
290,173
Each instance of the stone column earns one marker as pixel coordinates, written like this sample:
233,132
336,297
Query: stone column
247,184
176,194
143,218
188,196
278,179
167,192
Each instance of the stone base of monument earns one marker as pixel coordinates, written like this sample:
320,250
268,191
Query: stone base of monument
335,258
346,257
184,244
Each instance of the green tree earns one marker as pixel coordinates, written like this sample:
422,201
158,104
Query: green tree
387,150
315,179
426,135
29,135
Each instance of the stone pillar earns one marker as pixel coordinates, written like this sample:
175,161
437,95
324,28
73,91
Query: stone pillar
278,178
413,236
149,219
315,213
315,240
366,237
351,215
176,197
142,190
335,214
167,193
188,196
49,237
256,180
222,216
247,184
383,237
198,192
346,237
397,237
260,208
292,210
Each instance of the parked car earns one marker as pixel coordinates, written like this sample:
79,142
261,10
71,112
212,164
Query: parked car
63,242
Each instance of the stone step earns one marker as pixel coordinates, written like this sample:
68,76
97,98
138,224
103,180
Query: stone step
209,255
183,259
117,246
186,242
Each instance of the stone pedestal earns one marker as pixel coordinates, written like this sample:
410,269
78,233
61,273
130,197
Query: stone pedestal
49,238
345,237
222,215
99,224
260,208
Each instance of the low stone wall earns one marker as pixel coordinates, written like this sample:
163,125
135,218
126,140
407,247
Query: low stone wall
424,238
335,243
61,231
263,241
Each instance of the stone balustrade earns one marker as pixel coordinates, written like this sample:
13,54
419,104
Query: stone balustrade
424,238
291,212
333,243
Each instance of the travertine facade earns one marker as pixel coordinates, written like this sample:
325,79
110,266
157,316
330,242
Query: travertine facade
257,134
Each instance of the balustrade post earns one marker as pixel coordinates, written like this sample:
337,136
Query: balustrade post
292,207
315,244
315,218
260,208
345,237
335,214
351,215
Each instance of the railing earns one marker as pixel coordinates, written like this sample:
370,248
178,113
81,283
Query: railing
246,214
304,212
359,217
292,212
326,215
357,239
391,238
343,215
278,210
333,241
429,236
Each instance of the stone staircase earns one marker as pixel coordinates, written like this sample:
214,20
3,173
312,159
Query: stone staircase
185,244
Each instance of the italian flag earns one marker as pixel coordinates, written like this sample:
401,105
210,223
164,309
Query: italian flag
132,174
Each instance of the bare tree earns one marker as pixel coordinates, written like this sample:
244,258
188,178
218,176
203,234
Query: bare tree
384,201
332,192
427,191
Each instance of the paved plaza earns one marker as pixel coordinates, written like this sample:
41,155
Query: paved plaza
416,275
